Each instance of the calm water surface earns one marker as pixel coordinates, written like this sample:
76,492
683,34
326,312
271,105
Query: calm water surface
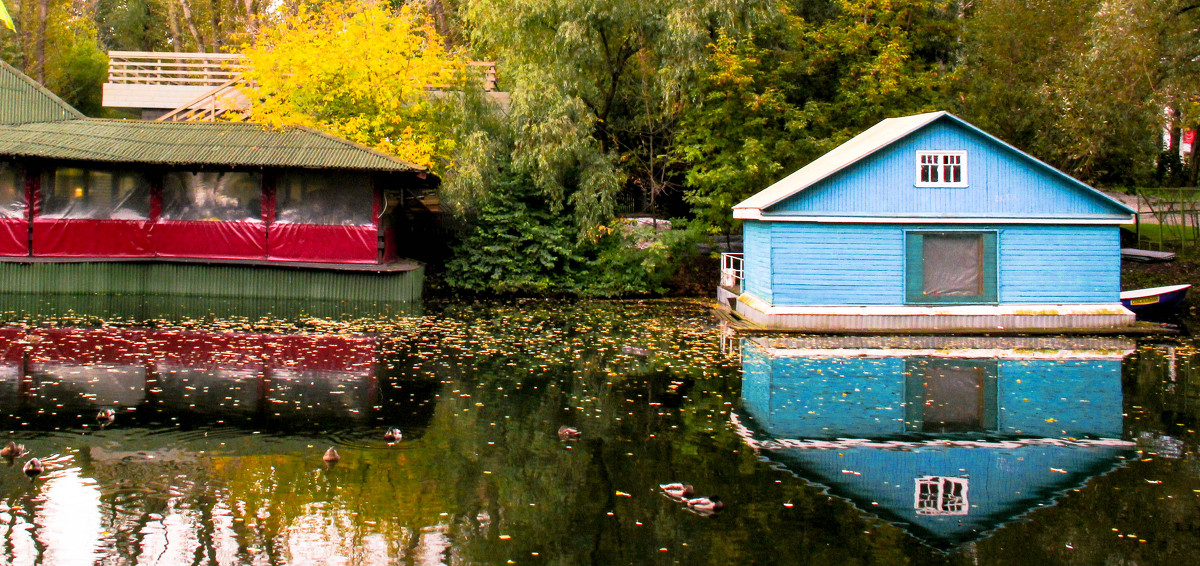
839,451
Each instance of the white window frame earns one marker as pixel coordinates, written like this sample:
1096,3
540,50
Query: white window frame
941,162
942,496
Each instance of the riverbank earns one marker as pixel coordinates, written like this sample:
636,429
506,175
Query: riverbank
1185,269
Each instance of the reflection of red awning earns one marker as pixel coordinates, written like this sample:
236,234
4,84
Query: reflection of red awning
190,349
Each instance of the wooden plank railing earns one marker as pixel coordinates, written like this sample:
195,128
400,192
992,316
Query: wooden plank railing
206,69
210,106
186,69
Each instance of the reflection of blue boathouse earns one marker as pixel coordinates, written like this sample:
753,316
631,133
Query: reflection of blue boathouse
950,440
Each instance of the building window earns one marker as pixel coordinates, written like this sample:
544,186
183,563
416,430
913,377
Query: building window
936,495
950,267
95,194
328,199
941,168
12,192
226,196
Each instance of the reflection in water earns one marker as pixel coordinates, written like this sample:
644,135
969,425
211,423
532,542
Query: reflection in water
949,437
182,497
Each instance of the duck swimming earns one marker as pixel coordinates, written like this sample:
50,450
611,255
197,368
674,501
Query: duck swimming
679,492
331,456
33,468
569,433
12,450
393,435
106,417
705,506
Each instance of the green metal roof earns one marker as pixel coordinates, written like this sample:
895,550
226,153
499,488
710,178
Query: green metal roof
22,100
192,143
35,123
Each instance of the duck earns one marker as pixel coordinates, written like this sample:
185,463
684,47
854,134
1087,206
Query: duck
393,435
569,433
680,492
12,450
33,468
106,417
331,456
705,506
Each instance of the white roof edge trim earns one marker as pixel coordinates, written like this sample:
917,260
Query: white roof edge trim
832,161
896,128
756,214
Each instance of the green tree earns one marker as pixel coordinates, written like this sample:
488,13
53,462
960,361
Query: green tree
768,104
628,63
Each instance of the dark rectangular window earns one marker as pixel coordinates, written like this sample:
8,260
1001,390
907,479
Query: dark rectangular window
95,194
228,196
950,267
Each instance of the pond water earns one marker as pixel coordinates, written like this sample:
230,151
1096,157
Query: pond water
868,450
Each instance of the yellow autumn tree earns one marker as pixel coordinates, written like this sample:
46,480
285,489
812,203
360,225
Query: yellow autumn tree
359,70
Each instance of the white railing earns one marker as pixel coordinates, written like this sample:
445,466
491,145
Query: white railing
732,269
179,69
211,69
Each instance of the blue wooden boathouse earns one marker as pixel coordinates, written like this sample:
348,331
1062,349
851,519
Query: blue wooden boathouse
926,222
948,439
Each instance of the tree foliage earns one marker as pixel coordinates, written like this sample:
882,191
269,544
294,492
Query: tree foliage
767,105
358,70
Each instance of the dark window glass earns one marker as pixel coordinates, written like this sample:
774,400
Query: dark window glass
12,191
331,199
953,264
225,196
96,194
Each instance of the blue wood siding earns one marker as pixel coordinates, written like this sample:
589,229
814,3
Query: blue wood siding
828,264
1002,183
823,397
829,398
1060,398
1004,482
756,250
1060,264
863,264
859,397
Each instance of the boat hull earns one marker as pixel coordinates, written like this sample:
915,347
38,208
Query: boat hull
1157,300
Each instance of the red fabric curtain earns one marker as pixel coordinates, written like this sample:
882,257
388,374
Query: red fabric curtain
202,239
332,244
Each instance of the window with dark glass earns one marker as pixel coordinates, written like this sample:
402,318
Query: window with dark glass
941,169
936,495
12,191
950,267
331,199
949,395
227,196
95,194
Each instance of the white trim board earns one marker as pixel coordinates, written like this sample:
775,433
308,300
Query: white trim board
757,214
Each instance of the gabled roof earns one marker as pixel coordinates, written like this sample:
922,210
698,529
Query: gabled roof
192,143
872,140
22,100
36,123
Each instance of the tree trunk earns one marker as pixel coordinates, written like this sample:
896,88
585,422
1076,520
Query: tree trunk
39,49
251,21
173,19
191,24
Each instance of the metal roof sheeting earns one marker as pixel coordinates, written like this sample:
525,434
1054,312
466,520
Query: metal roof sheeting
192,143
23,101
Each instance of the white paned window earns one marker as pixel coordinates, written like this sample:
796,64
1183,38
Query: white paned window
941,168
941,496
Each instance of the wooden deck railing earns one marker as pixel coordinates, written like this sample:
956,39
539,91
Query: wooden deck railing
207,69
183,69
